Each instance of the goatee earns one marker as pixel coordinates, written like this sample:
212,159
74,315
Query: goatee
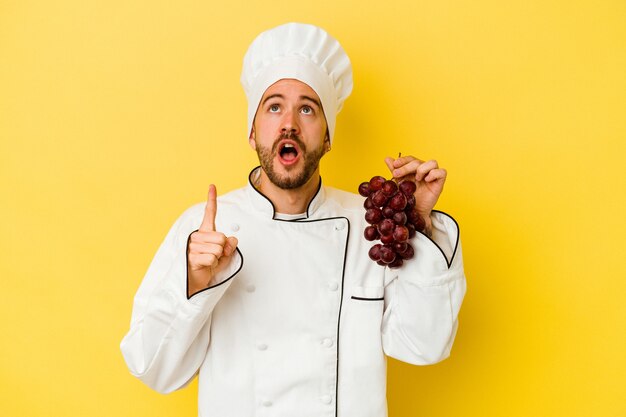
298,179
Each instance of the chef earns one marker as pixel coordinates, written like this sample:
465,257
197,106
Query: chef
272,300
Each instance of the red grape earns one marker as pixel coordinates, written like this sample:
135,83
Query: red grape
388,212
400,234
371,233
364,189
386,226
420,224
397,263
407,187
367,204
399,217
373,216
376,183
411,229
379,198
412,215
398,202
410,201
400,246
387,239
408,253
374,252
387,255
389,187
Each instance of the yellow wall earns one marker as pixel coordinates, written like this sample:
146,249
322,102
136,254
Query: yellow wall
116,115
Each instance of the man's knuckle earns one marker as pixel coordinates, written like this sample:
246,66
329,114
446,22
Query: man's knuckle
199,237
194,260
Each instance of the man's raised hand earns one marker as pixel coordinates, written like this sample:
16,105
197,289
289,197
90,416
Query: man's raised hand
428,177
207,248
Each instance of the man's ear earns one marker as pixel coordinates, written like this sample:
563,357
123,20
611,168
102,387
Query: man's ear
251,139
326,144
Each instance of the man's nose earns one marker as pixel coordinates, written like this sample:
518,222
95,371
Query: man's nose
290,123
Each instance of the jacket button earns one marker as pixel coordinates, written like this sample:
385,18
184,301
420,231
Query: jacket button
326,399
333,286
327,342
234,227
266,403
250,288
261,346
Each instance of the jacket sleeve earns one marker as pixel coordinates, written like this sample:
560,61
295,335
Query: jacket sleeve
169,334
423,297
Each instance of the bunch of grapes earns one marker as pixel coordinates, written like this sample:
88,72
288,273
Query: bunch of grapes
392,217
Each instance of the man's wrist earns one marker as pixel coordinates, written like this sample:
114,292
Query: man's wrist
428,226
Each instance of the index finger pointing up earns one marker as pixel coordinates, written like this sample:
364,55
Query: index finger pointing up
208,222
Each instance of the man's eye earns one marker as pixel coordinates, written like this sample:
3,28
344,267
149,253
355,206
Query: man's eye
274,108
307,110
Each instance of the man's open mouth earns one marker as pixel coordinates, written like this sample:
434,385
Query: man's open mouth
288,152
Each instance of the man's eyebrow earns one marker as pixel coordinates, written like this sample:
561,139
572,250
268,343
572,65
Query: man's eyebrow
311,99
271,97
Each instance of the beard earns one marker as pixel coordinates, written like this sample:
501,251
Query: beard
297,179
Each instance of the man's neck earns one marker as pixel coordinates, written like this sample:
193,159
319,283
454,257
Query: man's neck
293,201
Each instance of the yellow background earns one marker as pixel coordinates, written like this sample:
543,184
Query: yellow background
115,116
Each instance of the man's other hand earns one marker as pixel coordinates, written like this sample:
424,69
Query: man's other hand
207,248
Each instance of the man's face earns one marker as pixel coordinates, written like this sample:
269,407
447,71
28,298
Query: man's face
290,133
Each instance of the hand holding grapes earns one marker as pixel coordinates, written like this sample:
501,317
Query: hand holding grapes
394,211
207,248
429,180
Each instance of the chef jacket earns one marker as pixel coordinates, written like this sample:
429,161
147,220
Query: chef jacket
300,320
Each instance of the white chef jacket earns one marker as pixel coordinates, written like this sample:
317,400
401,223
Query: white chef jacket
301,319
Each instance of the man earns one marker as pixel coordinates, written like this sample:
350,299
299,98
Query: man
272,300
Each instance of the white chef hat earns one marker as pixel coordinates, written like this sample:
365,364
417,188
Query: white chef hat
302,52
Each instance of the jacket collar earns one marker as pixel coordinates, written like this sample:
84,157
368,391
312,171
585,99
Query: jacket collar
264,205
